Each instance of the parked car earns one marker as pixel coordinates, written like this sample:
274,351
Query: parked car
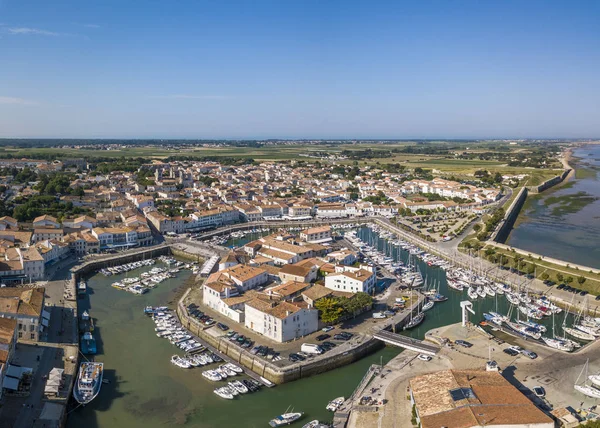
222,326
463,343
424,357
378,315
343,336
295,358
327,329
529,354
539,391
322,337
327,345
560,286
262,351
510,352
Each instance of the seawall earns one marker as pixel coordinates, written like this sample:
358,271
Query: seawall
510,216
500,235
549,183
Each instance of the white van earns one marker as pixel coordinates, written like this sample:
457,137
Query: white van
378,315
311,348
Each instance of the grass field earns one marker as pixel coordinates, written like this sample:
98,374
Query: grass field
441,163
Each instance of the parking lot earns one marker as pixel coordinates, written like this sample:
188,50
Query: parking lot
327,338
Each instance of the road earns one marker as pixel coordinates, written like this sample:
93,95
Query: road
24,412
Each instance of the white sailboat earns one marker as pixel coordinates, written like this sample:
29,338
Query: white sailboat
585,389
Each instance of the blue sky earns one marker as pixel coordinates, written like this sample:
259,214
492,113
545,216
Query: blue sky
299,69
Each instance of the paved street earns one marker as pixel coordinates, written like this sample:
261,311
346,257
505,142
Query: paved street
52,351
555,371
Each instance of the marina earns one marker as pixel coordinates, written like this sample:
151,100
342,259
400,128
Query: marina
147,280
196,390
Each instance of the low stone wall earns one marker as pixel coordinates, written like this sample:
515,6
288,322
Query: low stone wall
510,216
549,183
185,255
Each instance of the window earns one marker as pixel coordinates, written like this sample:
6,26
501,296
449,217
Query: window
32,336
20,334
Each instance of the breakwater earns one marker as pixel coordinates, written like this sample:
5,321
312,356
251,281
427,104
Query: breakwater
503,229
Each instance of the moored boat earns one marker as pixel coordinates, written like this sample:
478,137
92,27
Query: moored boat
578,334
415,321
335,404
89,382
285,419
428,305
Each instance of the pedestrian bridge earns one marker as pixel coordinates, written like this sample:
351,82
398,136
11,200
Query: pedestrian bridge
406,342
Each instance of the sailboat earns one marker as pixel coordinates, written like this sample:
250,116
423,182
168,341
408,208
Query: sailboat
428,305
573,331
437,297
414,320
595,379
585,389
557,343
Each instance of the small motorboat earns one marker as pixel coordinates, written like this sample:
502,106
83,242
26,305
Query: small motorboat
335,404
180,362
212,375
238,386
224,393
285,419
234,368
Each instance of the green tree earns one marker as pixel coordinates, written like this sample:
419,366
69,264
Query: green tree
569,279
545,276
581,280
559,277
330,308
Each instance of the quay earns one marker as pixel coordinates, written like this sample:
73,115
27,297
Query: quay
224,356
341,416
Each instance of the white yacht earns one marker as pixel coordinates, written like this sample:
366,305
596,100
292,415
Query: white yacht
88,382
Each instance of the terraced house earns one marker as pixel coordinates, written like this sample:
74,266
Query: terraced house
280,321
26,306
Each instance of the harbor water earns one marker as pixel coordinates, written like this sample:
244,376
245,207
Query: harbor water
146,390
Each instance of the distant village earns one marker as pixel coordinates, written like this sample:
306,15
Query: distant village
126,209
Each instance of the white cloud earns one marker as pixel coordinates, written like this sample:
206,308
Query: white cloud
31,31
17,101
192,97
